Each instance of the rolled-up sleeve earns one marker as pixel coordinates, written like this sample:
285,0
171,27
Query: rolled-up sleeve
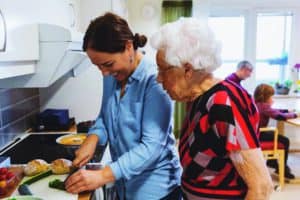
99,129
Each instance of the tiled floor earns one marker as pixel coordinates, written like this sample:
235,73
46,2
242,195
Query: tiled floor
290,191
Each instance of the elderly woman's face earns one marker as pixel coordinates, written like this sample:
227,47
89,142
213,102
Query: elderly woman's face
171,78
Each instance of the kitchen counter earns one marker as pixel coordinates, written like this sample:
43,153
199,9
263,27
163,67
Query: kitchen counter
19,173
25,147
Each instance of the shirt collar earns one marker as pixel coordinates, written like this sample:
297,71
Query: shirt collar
138,72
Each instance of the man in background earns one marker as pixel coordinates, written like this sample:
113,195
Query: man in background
243,71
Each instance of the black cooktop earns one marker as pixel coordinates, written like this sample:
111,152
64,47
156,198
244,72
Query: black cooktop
37,146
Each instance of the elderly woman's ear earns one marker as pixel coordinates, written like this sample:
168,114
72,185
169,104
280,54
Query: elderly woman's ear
188,70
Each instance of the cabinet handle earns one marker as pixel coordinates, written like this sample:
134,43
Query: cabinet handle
5,32
73,18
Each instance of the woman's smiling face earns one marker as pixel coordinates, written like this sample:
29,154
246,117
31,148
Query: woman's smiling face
115,64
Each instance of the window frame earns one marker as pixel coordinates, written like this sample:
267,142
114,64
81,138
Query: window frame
250,25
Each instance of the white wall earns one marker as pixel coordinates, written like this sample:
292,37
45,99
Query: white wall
143,21
90,9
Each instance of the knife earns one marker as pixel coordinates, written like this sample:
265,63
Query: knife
72,171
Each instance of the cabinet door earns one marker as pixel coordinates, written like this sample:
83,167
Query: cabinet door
19,41
3,32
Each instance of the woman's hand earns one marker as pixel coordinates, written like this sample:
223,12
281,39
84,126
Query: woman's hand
85,180
86,151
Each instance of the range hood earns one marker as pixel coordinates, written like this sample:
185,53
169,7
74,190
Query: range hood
45,53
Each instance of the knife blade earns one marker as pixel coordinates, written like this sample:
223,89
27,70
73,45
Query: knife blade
72,171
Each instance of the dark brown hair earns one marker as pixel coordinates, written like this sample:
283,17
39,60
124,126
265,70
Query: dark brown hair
263,92
109,33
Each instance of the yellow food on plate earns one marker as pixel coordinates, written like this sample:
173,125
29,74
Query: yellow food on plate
35,167
72,139
61,166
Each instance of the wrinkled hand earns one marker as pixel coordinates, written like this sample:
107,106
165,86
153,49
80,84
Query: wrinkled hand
84,180
86,151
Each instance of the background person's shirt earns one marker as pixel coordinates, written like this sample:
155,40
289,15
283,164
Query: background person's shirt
222,120
138,127
233,77
266,112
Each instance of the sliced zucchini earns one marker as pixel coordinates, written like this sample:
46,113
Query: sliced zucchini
57,184
37,177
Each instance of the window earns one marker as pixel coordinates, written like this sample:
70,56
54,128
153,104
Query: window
262,37
230,31
272,46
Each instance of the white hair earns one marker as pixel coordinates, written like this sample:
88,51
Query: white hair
188,40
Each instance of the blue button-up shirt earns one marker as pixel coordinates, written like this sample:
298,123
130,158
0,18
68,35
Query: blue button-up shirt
138,127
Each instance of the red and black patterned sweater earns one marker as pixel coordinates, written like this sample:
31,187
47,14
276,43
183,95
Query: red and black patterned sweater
222,120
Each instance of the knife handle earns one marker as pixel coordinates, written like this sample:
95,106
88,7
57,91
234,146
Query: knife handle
23,189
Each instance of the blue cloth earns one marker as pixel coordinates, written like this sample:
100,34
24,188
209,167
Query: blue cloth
138,127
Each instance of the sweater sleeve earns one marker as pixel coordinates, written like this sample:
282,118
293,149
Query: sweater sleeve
279,114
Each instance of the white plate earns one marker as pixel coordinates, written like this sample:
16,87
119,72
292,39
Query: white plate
25,197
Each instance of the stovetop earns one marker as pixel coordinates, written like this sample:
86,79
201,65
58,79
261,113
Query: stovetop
35,146
6,138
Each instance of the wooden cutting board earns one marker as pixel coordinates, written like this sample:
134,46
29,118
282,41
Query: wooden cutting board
42,190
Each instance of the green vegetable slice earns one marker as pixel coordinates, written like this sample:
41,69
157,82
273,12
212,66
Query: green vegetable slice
57,184
37,177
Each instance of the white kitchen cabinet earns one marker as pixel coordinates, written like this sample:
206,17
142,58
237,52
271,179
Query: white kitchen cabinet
2,32
19,49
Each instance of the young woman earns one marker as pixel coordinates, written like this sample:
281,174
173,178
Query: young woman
135,118
219,149
263,95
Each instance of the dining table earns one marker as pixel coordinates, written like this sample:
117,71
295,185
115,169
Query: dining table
291,102
281,129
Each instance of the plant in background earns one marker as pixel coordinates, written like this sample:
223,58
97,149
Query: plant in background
297,67
283,87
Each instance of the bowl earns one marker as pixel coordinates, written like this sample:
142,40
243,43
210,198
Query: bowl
25,197
71,139
71,142
8,181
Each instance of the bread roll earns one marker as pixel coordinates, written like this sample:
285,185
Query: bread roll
36,166
61,166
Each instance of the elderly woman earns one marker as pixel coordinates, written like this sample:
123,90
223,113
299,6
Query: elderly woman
219,148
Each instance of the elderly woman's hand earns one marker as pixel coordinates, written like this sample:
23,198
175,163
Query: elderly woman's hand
250,165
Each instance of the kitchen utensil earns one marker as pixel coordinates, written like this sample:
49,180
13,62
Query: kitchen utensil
24,189
71,142
71,139
72,171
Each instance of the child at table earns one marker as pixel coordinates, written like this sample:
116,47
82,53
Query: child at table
263,96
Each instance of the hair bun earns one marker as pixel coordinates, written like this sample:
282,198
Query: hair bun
139,40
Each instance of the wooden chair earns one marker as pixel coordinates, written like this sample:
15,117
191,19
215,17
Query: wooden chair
272,150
